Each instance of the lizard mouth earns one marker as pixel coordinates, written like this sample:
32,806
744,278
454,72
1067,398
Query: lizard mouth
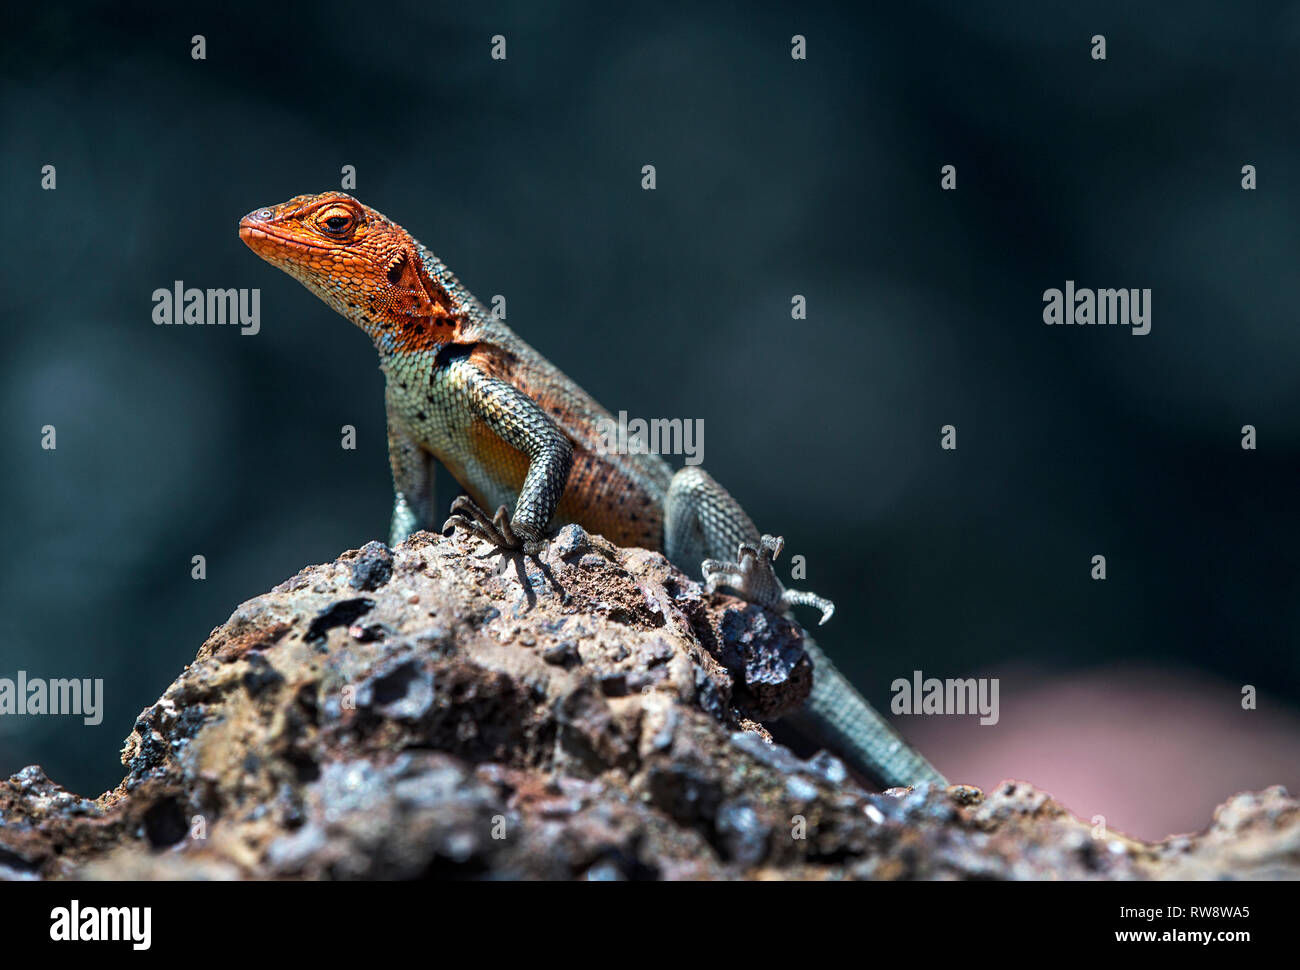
252,234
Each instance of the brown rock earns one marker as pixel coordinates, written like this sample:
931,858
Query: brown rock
435,711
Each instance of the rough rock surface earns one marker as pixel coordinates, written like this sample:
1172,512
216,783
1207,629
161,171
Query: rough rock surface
431,711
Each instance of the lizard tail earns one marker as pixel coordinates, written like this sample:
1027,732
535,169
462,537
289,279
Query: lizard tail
837,717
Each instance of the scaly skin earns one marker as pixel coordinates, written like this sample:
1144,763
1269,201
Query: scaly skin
516,432
445,357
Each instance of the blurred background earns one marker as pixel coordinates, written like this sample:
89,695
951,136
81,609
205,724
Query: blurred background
775,177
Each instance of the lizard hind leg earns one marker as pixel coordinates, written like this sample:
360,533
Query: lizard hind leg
702,521
751,575
703,524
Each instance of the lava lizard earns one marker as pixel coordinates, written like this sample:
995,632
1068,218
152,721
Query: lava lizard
514,431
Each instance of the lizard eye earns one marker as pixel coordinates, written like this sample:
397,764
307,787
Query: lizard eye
336,221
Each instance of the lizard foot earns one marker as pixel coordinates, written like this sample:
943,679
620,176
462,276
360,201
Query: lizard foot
753,576
465,514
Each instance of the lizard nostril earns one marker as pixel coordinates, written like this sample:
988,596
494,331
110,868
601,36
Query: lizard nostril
255,219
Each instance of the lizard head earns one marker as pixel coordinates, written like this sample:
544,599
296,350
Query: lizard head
359,262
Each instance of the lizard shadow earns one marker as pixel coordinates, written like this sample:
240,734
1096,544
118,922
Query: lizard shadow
517,558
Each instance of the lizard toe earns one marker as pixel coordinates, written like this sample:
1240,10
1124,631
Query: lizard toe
466,515
799,597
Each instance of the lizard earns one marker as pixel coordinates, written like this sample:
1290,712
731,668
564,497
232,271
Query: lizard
517,434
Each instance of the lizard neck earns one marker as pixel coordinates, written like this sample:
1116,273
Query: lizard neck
442,314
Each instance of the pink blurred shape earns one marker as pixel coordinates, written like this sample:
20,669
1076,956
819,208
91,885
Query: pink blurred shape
1153,750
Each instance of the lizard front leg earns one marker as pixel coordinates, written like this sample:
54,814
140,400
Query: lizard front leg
519,423
413,482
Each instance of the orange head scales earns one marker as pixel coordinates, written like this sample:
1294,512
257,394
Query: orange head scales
362,264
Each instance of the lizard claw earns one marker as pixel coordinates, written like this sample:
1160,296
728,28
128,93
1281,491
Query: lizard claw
774,545
466,514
